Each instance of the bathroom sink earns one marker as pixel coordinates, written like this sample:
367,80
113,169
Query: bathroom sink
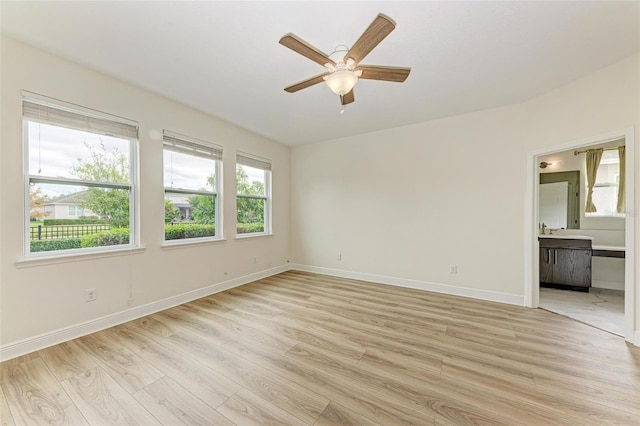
567,237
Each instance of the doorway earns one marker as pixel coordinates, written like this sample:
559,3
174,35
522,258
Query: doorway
622,229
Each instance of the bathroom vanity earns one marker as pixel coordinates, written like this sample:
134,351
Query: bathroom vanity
565,262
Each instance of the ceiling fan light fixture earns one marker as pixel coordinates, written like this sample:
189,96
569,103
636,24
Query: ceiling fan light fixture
343,66
341,81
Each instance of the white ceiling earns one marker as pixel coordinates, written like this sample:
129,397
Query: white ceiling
224,58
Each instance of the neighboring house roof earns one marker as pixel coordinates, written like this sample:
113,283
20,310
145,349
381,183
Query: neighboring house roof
73,198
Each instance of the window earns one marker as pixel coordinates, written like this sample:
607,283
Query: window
78,162
76,211
191,188
253,195
605,190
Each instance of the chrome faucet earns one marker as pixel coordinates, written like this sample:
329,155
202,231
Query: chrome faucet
543,227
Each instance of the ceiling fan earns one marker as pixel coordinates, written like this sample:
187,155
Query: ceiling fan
343,65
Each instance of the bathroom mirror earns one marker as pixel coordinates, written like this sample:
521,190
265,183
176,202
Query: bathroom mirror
559,199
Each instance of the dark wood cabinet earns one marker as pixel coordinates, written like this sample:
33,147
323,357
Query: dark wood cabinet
565,263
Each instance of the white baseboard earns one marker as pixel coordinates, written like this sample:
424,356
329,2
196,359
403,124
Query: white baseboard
609,285
511,299
22,347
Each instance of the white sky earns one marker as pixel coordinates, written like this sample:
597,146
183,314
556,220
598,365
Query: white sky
53,151
186,171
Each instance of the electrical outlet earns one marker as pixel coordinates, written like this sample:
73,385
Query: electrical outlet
339,256
453,269
91,295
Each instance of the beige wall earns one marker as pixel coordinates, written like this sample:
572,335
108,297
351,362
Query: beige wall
409,202
602,102
37,299
404,203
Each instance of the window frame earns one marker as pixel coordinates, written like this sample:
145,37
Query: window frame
266,166
28,179
216,193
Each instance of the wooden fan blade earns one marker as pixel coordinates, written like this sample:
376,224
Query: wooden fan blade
374,34
376,72
306,83
347,98
305,49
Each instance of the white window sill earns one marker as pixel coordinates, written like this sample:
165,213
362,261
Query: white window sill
253,235
51,258
187,242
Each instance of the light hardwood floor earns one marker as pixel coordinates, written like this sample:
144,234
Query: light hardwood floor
305,349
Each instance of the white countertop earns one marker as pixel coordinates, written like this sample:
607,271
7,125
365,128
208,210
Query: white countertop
567,237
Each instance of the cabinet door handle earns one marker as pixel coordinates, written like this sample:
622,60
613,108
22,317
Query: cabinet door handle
555,257
549,256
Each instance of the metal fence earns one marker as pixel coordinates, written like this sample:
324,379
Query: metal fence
64,231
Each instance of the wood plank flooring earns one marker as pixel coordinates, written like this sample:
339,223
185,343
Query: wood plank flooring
307,349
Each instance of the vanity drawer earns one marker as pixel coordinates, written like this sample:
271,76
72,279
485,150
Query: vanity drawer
565,243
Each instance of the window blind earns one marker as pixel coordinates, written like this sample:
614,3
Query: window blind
178,143
67,115
251,161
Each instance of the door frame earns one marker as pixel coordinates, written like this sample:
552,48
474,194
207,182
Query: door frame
531,289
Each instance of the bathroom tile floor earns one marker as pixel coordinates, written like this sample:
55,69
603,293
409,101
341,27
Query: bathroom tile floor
601,308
